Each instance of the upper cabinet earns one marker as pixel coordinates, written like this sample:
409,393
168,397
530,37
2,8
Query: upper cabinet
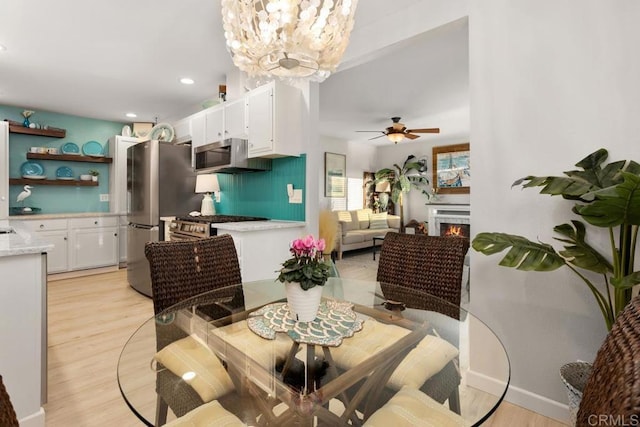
274,120
270,117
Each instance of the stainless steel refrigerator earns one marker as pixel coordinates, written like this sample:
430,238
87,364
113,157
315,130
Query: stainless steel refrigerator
161,183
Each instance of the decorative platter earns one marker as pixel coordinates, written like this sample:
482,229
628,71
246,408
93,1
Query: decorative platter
70,148
162,132
335,321
31,169
64,173
92,148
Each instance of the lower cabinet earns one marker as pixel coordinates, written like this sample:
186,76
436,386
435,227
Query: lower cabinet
58,257
94,242
79,243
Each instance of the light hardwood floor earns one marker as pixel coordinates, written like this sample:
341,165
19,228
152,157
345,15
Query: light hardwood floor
91,318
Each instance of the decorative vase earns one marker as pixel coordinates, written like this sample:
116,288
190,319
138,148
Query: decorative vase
26,122
303,305
94,178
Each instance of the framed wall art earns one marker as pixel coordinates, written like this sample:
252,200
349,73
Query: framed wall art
452,169
335,175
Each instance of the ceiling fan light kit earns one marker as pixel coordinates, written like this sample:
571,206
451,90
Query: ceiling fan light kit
398,131
288,38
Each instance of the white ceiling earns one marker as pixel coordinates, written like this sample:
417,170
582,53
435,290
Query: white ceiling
104,59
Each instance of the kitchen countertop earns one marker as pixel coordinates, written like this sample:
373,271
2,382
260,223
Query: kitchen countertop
62,215
21,243
258,225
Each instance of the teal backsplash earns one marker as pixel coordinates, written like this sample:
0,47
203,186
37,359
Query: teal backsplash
60,199
264,193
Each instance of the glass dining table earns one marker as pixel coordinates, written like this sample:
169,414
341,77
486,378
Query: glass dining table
371,341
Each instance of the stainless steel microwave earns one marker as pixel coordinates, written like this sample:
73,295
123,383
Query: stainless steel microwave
228,156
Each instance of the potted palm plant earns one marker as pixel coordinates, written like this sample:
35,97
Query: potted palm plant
403,178
607,196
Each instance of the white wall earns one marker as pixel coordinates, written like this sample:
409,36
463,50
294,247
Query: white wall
360,158
550,83
414,202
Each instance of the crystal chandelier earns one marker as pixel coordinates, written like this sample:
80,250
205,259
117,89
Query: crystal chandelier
288,38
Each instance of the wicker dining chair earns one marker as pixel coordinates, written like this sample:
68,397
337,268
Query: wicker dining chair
8,416
414,265
612,391
181,270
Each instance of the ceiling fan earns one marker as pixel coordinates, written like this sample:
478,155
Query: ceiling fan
398,131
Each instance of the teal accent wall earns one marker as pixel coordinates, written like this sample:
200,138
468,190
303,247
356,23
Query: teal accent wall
60,199
264,193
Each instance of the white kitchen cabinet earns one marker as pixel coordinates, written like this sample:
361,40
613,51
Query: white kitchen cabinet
235,125
58,257
122,240
198,130
214,129
182,129
274,120
119,193
4,166
53,231
93,242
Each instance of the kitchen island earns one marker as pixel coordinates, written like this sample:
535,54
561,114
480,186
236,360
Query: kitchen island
23,328
262,246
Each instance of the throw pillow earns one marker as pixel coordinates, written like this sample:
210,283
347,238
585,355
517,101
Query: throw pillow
363,216
347,222
378,221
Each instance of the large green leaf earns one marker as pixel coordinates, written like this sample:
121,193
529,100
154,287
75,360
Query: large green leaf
523,255
579,252
615,205
627,282
579,184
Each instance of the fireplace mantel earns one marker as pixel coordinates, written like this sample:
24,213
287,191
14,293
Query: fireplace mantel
455,214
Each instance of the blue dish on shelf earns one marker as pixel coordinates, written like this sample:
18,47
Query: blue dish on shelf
92,148
64,172
31,169
70,148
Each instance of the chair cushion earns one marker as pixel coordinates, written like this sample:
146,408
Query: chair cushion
263,351
425,360
210,381
378,221
209,414
411,408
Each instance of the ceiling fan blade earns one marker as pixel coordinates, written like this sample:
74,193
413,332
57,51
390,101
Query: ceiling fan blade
376,131
411,136
428,130
376,137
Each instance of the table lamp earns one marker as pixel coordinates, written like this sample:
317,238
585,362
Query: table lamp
207,184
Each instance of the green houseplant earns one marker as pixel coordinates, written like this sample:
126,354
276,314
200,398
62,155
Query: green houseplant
607,196
403,179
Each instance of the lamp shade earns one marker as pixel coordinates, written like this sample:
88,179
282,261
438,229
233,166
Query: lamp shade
383,187
395,137
207,183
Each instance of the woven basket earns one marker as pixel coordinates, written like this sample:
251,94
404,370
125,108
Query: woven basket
574,376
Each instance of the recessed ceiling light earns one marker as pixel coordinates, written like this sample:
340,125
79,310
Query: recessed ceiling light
2,47
186,81
132,115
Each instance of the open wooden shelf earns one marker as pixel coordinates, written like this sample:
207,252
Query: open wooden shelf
77,183
53,133
69,158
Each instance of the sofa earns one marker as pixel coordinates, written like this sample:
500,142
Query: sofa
357,228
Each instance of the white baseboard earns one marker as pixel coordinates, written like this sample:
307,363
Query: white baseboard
518,396
34,420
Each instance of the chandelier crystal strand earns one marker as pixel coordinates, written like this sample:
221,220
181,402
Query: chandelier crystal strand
288,38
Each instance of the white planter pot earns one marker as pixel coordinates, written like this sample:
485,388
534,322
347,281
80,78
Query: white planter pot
303,305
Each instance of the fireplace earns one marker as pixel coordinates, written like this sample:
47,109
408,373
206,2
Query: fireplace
449,229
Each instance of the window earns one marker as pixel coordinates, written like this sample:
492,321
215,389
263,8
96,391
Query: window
354,196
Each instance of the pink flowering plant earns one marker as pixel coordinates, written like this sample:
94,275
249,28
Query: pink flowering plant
307,266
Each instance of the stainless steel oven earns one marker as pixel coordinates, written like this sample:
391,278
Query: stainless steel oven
200,227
